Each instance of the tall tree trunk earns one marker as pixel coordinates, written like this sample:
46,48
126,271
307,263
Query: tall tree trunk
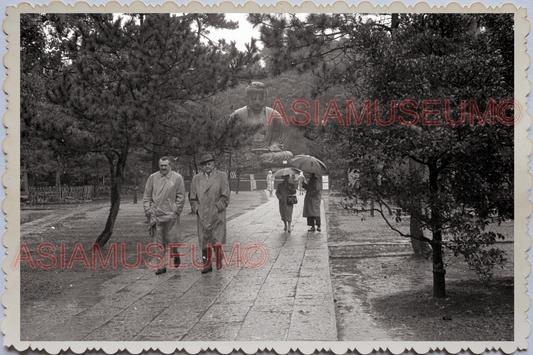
26,183
394,21
238,173
58,184
116,168
439,282
135,188
229,172
155,161
419,247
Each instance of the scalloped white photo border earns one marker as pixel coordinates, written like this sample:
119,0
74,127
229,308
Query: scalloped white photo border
10,325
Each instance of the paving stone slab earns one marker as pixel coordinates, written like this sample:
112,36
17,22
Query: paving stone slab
310,299
265,326
282,273
211,331
123,327
274,304
176,316
277,291
43,316
238,292
313,323
227,312
161,332
73,329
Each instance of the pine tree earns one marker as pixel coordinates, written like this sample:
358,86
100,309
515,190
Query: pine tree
129,81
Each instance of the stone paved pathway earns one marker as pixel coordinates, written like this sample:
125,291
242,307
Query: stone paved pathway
289,298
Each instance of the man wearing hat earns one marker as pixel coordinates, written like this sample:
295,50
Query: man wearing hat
163,200
268,142
209,198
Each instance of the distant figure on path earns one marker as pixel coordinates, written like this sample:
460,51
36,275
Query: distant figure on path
312,201
283,190
301,180
163,200
210,194
270,182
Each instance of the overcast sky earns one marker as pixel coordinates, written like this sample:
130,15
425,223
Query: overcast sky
241,35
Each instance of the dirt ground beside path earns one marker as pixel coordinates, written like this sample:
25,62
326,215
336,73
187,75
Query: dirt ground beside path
383,292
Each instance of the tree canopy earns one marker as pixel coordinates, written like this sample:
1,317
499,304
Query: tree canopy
432,85
137,80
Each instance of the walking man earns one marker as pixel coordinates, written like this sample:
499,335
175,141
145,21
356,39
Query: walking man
163,200
210,196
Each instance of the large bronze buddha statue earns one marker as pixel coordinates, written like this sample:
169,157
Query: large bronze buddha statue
268,142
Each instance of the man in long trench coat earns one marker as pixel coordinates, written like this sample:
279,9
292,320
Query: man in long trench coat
210,194
163,200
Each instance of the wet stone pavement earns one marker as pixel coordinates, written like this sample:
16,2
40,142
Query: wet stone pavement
288,298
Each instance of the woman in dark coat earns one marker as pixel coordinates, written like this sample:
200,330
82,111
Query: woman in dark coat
283,190
312,202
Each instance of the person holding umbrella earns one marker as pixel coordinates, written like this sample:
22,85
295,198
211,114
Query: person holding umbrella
312,199
285,192
313,188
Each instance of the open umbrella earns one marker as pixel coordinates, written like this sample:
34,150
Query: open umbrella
309,164
286,171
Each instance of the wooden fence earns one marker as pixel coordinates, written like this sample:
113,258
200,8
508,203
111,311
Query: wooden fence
73,194
77,194
51,194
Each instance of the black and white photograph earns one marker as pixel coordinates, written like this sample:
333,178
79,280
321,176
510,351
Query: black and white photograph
318,177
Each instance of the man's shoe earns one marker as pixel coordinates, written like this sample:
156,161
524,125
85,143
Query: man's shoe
177,261
318,229
161,271
312,229
206,258
219,258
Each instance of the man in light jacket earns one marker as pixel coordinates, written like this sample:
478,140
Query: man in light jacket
210,194
163,200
